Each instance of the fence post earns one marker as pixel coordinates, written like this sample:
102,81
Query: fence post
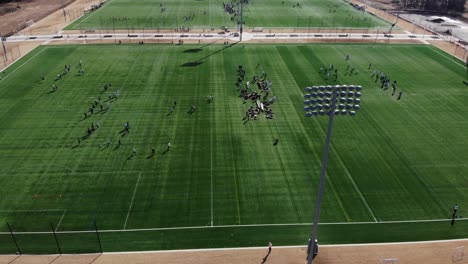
97,234
14,239
56,240
4,48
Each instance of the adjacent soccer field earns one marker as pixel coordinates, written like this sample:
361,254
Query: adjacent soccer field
125,14
224,184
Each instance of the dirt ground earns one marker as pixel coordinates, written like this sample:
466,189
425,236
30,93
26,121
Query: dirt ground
411,253
55,22
52,24
14,18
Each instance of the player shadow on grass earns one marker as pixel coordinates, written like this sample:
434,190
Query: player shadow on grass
124,132
105,147
246,120
164,152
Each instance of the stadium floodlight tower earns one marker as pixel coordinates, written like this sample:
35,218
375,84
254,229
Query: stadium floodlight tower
327,101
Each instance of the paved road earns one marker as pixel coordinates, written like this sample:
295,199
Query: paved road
228,36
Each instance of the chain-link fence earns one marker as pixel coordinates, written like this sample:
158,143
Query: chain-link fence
48,242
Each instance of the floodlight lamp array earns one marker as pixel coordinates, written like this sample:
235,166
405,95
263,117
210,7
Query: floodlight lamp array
338,99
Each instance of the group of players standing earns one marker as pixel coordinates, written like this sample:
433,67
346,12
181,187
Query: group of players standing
259,97
385,81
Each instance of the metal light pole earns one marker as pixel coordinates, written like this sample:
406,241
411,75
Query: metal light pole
322,100
64,14
394,24
241,22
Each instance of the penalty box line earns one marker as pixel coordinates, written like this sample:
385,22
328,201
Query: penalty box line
234,226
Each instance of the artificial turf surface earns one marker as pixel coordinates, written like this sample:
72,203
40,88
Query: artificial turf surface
126,14
394,161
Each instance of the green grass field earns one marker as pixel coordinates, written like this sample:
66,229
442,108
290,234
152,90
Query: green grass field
224,184
210,14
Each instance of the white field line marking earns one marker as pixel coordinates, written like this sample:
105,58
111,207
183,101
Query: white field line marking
356,187
285,247
350,177
257,248
234,226
450,58
131,203
94,12
211,158
20,65
60,221
424,41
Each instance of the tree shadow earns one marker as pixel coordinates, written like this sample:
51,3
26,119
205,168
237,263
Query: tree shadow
193,50
191,64
164,152
199,61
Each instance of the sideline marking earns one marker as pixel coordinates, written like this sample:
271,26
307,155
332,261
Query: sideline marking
211,159
286,247
451,58
356,187
131,203
60,221
21,64
233,226
261,248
